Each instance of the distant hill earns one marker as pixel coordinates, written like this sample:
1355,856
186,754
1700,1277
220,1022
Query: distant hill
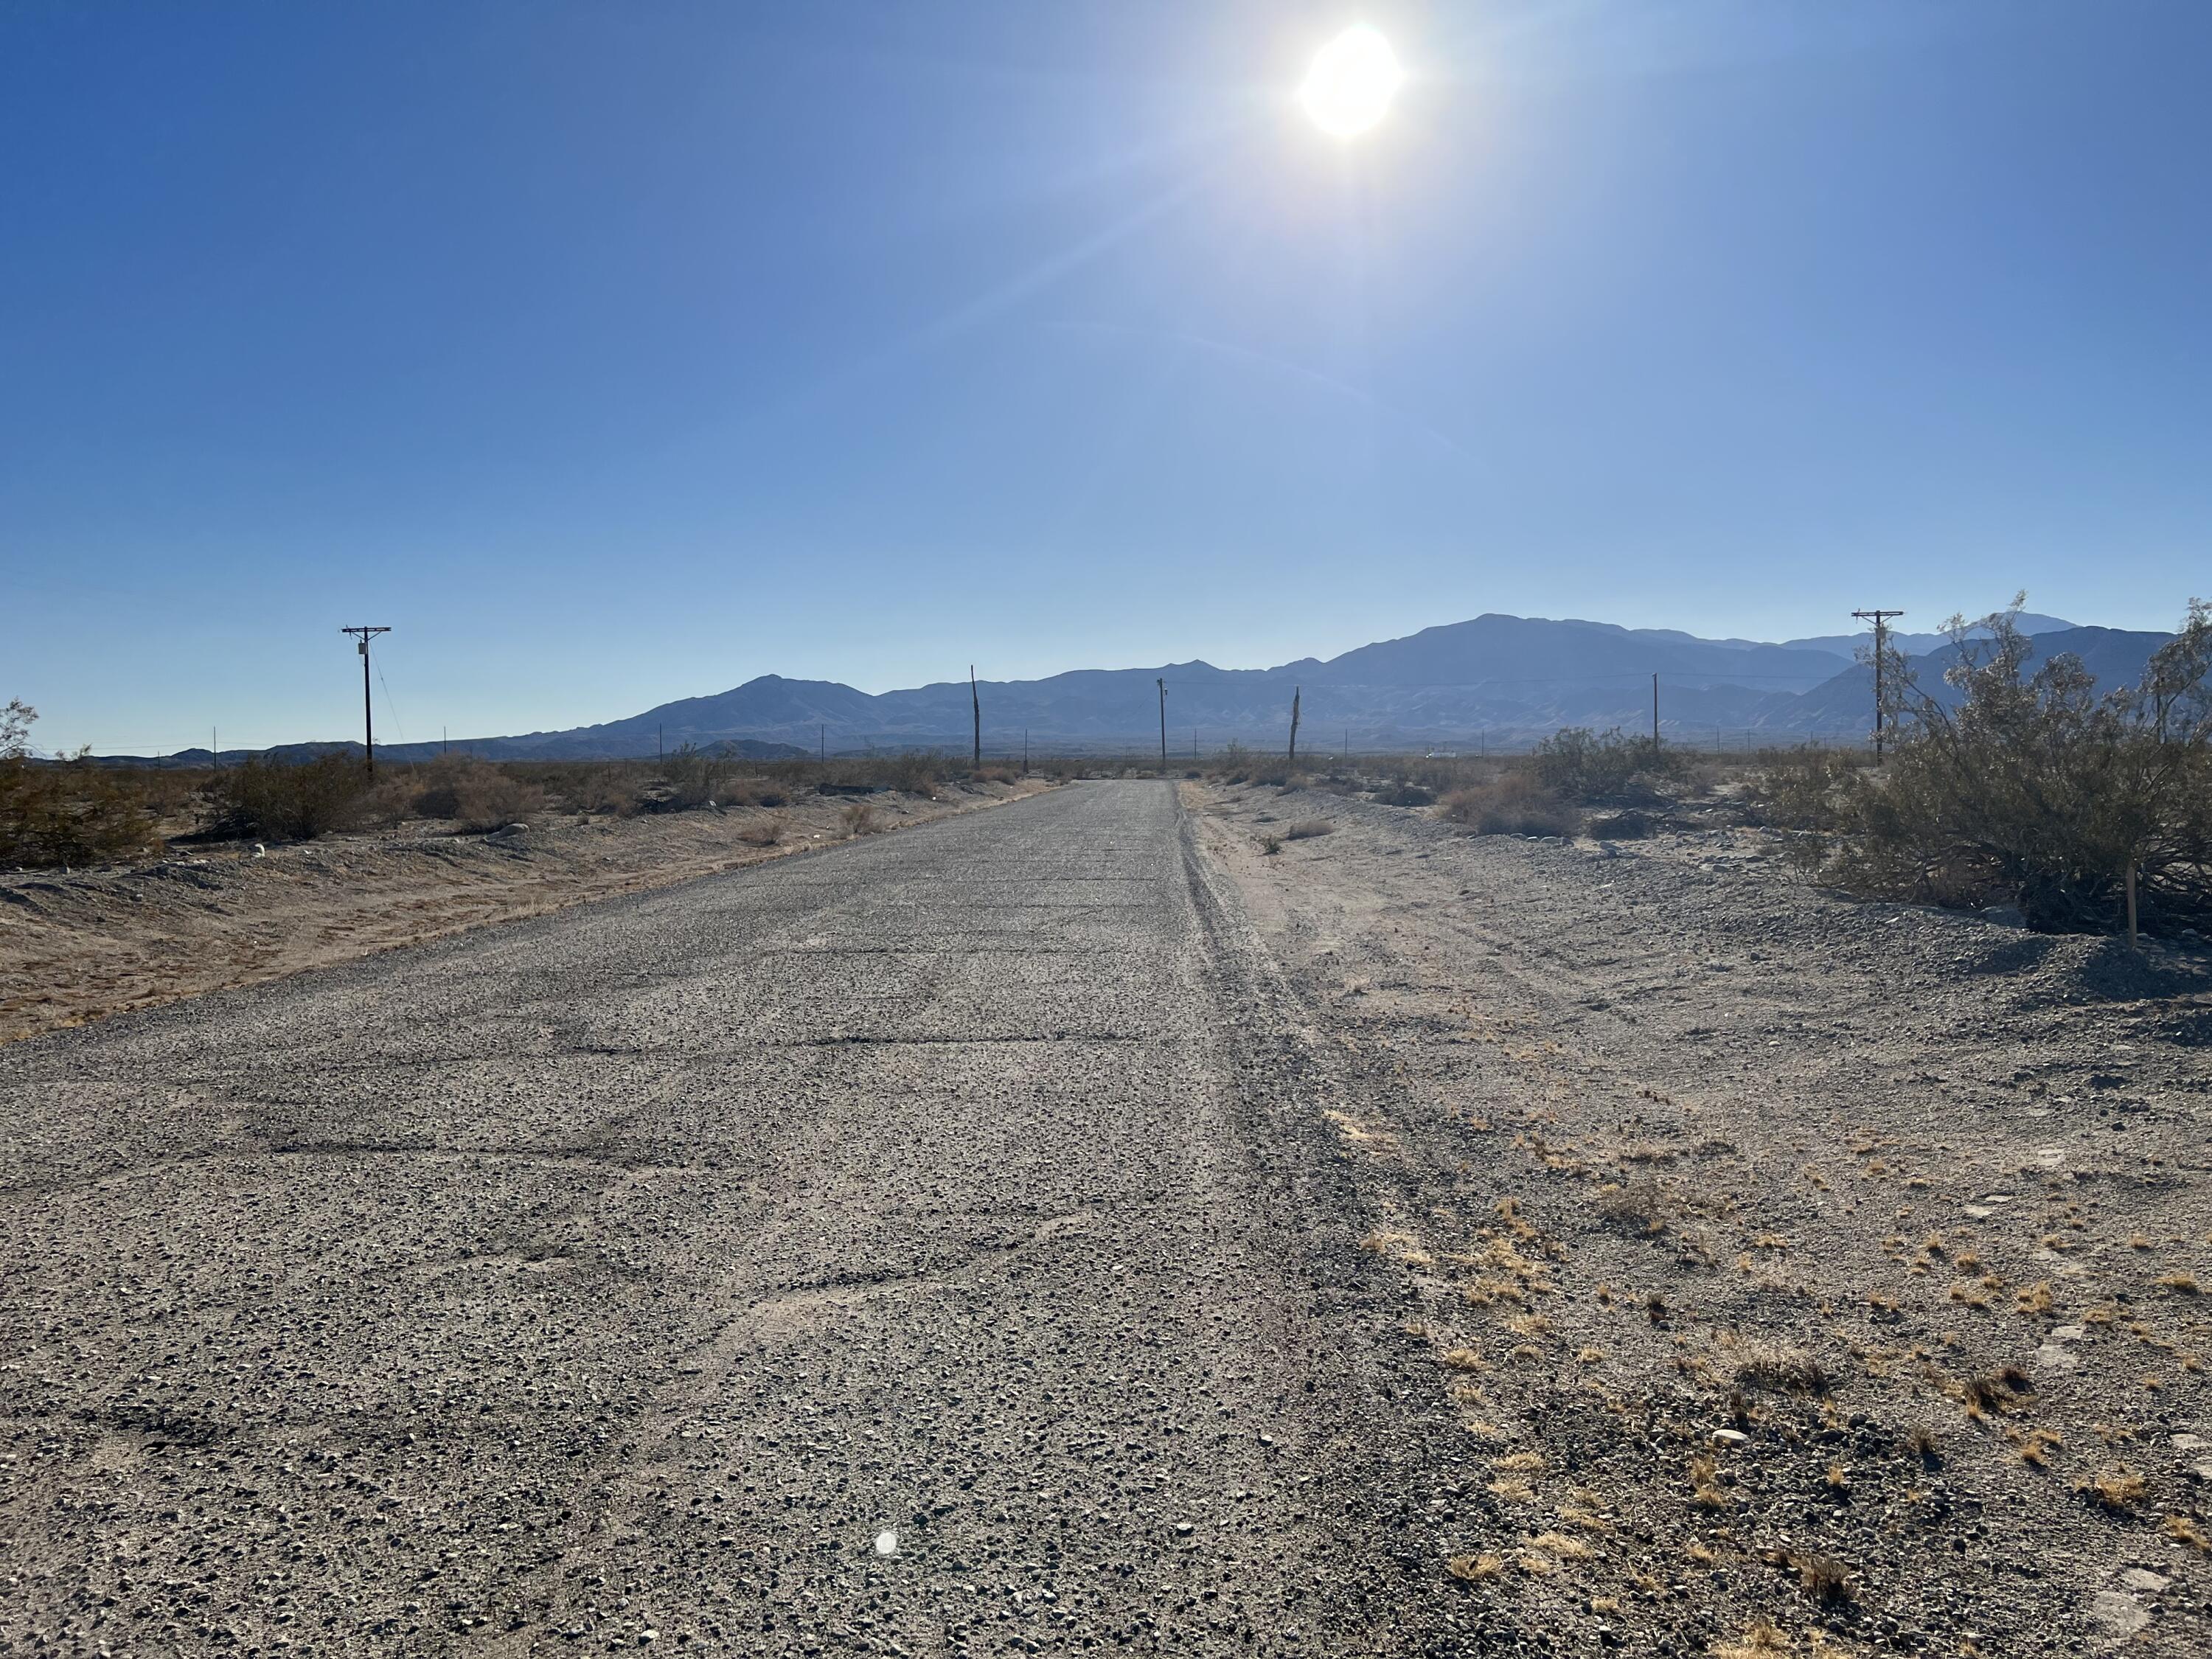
1499,679
2116,656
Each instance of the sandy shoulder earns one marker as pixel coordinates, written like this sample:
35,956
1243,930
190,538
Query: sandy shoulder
79,945
1785,1258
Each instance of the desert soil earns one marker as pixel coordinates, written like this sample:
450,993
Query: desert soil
1785,1258
75,945
1073,1228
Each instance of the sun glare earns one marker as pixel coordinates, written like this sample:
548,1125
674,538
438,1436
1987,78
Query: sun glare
1352,83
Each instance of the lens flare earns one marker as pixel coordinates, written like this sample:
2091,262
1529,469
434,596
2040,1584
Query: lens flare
1352,83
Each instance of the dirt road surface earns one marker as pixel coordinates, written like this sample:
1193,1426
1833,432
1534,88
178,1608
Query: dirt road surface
81,945
918,1248
1393,1243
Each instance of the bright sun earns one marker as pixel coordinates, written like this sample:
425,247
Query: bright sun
1352,83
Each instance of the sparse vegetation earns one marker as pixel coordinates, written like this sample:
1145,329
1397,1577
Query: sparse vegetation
475,795
56,814
1604,769
2029,788
291,800
1513,804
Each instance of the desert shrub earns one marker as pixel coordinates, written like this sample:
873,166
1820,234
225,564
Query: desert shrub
291,800
1308,829
390,801
691,777
2035,790
1513,804
1604,768
58,815
1406,794
1803,788
992,775
762,832
859,818
476,794
915,773
1271,844
609,788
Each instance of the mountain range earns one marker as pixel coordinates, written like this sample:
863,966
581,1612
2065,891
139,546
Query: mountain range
1499,680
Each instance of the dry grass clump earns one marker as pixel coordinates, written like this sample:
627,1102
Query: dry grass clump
1822,1576
2116,1489
762,832
1706,1490
1475,1568
2184,1529
1514,804
1994,1393
1760,1364
859,817
1641,1204
1308,829
1761,1641
1559,1545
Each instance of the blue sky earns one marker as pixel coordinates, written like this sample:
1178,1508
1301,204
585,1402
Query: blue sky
617,352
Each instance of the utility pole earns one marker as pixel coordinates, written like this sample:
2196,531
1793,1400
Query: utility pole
215,755
976,700
367,719
1296,693
1163,685
1880,621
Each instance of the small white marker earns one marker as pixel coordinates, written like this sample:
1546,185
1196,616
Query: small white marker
887,1543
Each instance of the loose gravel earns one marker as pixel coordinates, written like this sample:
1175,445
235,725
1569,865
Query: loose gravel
918,1248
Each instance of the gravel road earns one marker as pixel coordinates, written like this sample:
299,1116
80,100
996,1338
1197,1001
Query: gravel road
918,1248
